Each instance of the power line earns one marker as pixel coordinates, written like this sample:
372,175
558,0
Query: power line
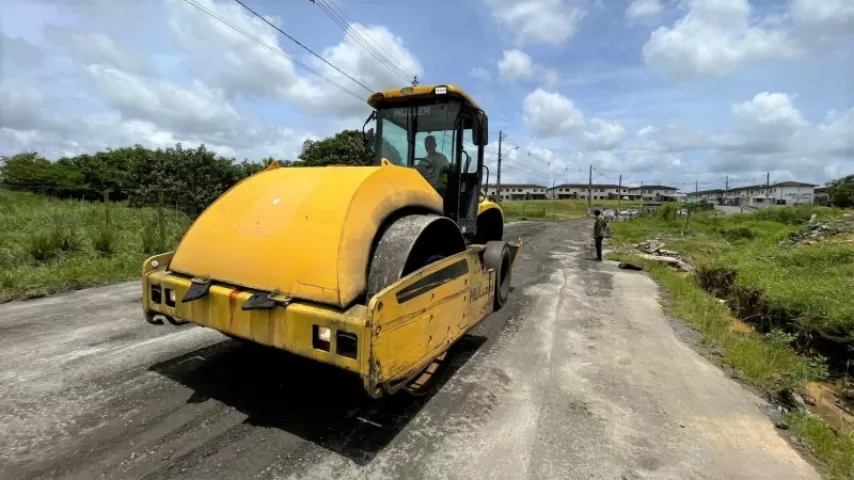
351,31
253,12
365,38
271,48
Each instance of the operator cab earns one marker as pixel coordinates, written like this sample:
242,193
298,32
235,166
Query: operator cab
439,131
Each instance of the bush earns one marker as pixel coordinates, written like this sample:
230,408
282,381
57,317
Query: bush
736,233
104,240
667,211
796,215
61,237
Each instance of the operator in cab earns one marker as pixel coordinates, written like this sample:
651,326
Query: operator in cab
435,166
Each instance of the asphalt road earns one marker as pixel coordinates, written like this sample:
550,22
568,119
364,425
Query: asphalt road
581,376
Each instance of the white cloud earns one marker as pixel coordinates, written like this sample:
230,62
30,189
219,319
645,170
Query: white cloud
97,48
715,38
604,134
480,73
768,112
769,134
122,97
824,19
257,71
644,10
183,110
550,114
515,65
550,22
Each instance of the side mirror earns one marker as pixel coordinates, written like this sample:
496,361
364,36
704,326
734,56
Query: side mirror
369,140
368,137
482,132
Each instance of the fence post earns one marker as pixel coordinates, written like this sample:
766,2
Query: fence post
107,218
161,227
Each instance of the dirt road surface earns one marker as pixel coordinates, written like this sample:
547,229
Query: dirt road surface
582,376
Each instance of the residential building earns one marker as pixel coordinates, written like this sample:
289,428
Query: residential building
580,190
517,191
706,196
781,193
821,196
654,193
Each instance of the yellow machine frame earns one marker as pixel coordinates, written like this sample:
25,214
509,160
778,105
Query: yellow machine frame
401,330
312,307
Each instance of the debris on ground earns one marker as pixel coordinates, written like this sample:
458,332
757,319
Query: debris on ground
819,230
629,266
653,250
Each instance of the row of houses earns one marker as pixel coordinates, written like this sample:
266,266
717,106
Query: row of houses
650,193
780,193
758,196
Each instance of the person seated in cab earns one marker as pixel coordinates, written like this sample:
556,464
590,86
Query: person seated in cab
435,166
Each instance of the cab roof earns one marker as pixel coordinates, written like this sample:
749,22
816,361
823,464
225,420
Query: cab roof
393,95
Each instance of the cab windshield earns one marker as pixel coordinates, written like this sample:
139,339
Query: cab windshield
422,137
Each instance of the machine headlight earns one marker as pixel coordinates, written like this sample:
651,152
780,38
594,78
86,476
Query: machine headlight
324,334
441,90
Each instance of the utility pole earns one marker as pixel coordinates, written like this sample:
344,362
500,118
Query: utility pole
696,186
726,189
590,191
415,81
498,182
768,180
619,194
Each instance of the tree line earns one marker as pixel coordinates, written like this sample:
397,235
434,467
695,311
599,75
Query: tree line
187,178
191,178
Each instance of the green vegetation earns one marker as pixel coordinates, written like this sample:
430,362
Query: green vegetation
556,209
834,448
50,245
799,288
186,179
794,295
841,192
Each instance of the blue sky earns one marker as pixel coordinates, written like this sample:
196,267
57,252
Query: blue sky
658,91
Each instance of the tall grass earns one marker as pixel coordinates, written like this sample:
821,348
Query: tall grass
49,245
557,209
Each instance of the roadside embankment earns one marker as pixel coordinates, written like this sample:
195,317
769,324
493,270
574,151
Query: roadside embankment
770,294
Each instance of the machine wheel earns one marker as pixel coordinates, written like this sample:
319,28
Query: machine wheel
409,243
497,257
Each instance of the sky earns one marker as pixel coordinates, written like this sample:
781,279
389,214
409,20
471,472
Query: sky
687,93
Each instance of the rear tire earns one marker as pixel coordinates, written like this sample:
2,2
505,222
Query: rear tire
497,257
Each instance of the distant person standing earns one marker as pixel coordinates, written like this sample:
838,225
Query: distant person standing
598,232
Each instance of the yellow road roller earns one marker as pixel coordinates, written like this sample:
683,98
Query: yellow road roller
377,269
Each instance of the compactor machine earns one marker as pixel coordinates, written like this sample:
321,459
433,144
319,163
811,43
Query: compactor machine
378,269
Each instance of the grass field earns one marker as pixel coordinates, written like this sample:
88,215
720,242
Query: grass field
49,245
556,209
801,288
794,298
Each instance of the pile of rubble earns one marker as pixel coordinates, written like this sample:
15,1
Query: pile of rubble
653,250
818,230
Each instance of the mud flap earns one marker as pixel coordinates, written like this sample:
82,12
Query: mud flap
417,319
